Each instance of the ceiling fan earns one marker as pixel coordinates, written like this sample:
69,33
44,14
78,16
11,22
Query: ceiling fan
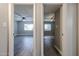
20,17
23,17
52,18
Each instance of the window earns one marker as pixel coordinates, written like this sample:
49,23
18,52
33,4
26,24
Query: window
47,27
28,27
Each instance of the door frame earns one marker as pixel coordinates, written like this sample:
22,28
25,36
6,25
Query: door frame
11,30
42,29
11,38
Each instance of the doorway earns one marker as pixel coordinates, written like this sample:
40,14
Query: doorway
23,29
51,41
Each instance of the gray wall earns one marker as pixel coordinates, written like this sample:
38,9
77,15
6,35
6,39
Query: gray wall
15,28
52,32
20,28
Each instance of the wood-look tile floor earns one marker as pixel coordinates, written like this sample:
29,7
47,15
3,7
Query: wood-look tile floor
49,49
23,46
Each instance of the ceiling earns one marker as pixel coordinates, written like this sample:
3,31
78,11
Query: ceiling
26,10
51,8
23,10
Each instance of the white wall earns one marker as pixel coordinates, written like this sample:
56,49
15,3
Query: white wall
3,29
69,29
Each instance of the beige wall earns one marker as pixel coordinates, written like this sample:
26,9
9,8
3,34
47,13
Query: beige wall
3,29
57,28
78,32
68,24
69,29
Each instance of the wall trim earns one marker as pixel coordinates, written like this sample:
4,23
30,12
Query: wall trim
11,27
58,49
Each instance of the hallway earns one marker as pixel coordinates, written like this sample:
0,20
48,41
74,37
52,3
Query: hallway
49,49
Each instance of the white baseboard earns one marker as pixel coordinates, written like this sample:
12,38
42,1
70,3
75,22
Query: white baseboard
58,49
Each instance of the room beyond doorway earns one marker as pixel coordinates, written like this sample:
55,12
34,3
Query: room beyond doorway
23,30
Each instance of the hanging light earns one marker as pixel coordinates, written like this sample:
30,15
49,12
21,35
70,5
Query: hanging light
23,18
52,18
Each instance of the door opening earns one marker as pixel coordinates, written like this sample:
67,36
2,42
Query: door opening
51,29
23,30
